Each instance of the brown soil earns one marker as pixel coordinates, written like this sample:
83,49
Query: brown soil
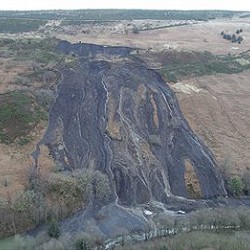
15,162
217,108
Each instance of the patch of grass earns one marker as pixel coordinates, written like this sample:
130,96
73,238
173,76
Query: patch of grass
7,244
19,25
201,240
24,140
70,61
236,186
41,51
81,22
196,240
19,113
177,70
42,57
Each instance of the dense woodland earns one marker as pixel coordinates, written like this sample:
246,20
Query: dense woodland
120,14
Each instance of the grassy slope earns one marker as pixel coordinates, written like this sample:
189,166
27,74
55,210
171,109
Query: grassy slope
198,241
19,113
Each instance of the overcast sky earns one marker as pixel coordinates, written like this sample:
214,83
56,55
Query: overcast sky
124,4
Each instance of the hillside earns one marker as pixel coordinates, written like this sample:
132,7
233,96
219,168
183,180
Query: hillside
117,124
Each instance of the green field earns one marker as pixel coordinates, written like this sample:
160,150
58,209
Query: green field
7,243
19,25
188,64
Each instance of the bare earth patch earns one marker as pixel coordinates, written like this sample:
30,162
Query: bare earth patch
186,88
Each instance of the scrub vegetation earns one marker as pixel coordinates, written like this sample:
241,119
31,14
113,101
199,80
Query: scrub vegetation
194,64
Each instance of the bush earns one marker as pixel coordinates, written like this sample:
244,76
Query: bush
23,201
171,77
236,186
84,180
135,30
54,229
164,248
64,189
3,202
82,245
83,242
101,186
93,183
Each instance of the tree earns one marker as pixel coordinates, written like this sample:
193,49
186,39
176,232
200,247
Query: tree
240,39
101,186
84,242
54,229
135,30
234,39
236,186
164,248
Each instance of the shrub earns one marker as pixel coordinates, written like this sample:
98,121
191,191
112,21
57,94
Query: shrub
84,242
23,201
171,77
164,248
135,30
101,186
81,245
3,202
53,229
84,180
64,188
236,186
95,183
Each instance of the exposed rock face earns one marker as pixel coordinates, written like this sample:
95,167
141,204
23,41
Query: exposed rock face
121,118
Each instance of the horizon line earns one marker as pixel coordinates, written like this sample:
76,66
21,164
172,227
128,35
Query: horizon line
125,9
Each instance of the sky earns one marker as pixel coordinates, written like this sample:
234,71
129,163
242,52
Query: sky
124,4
